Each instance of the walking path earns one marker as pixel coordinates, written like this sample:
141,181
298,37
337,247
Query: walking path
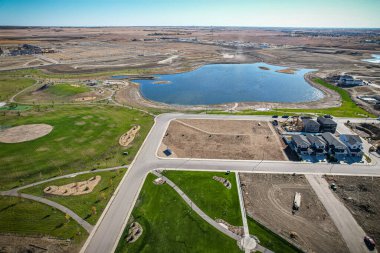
195,208
60,207
109,228
15,190
350,230
247,242
15,193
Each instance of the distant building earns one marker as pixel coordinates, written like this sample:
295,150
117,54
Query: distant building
301,144
317,145
335,147
327,125
353,143
347,80
310,126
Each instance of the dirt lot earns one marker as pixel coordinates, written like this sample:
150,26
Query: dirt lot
269,198
223,139
16,244
361,195
371,132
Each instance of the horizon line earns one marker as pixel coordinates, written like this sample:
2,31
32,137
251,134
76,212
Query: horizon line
203,26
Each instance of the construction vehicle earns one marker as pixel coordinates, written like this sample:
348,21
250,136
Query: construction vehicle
297,201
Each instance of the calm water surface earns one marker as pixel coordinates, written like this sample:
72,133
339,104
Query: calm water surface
226,83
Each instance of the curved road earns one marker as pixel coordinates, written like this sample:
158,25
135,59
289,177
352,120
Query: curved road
105,236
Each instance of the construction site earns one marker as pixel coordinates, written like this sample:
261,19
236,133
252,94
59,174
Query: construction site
361,196
223,139
288,206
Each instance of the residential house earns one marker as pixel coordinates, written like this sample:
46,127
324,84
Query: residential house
346,80
317,145
310,126
353,143
335,147
300,144
327,125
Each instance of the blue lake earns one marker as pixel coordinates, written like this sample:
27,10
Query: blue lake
226,83
375,59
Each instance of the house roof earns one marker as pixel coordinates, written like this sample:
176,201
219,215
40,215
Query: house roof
316,140
300,140
309,121
332,140
352,138
326,121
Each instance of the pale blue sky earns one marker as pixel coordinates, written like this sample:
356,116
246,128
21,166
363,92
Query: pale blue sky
291,13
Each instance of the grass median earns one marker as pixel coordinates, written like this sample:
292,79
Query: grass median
169,225
210,196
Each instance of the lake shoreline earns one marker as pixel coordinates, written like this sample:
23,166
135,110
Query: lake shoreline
131,95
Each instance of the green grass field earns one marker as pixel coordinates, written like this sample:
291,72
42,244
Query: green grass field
25,217
66,90
269,239
83,204
347,109
169,225
83,138
209,195
10,86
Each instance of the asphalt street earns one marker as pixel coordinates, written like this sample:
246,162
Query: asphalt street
105,236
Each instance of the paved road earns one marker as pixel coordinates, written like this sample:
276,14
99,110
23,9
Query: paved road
110,226
350,230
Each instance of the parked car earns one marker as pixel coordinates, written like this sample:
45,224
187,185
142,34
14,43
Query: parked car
285,116
275,116
369,242
328,116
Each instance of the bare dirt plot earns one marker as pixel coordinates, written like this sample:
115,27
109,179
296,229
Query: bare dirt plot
77,188
223,139
24,133
12,243
269,199
361,195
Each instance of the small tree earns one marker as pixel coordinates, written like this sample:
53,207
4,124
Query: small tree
67,217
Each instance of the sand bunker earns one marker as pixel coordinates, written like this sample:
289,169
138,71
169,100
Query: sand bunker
222,180
134,232
129,136
24,133
77,188
85,99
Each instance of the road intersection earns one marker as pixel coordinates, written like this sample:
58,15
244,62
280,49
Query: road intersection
108,230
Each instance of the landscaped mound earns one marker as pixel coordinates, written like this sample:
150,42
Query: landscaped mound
77,188
24,133
129,136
